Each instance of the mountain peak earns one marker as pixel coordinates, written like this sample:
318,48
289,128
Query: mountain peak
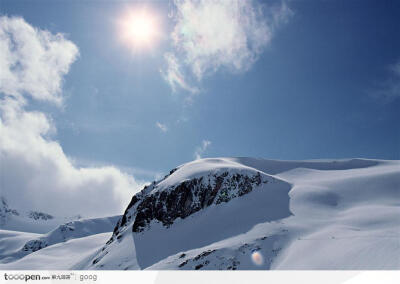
215,192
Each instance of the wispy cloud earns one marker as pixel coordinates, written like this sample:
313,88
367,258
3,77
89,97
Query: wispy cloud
389,90
35,171
174,76
162,126
201,149
209,35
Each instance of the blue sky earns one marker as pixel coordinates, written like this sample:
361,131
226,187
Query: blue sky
323,84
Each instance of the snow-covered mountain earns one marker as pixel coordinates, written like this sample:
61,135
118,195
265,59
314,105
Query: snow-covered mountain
237,213
15,246
28,221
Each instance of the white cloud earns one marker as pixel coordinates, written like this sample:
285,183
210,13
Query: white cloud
209,35
201,149
33,61
137,172
162,126
35,171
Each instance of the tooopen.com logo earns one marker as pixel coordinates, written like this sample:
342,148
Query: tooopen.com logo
25,277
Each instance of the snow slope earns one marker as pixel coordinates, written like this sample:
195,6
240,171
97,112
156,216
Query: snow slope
320,214
240,213
355,217
15,245
61,255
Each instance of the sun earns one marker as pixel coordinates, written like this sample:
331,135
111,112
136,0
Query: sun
139,29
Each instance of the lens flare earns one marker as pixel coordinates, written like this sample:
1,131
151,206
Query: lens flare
257,258
139,28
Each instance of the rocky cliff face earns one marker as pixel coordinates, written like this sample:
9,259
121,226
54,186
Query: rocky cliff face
188,197
185,198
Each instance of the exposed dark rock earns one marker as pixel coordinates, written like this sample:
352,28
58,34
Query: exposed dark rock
203,254
35,245
39,215
183,263
197,267
234,264
5,210
125,218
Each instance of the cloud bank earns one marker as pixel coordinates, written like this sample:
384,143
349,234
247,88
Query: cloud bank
36,174
210,35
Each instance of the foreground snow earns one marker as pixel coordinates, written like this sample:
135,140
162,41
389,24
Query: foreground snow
241,213
61,255
20,248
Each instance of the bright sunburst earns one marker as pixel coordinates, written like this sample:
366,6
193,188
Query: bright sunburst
139,28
